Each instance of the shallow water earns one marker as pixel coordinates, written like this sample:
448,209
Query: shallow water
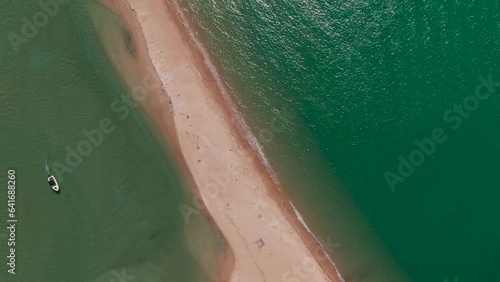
117,217
362,81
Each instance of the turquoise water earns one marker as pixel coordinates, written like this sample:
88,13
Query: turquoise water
364,80
117,217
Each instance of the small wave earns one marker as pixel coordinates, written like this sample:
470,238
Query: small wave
240,123
301,219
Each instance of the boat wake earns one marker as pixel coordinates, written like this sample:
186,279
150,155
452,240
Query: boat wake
47,168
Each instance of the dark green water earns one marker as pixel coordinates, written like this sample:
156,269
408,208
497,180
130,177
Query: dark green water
117,217
365,79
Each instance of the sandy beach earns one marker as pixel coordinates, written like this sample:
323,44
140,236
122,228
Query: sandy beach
267,241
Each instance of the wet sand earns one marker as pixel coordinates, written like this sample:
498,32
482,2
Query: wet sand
267,241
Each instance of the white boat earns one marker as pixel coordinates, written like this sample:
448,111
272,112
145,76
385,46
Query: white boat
53,183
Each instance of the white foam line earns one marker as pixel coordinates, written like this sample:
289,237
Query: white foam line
240,122
235,115
301,219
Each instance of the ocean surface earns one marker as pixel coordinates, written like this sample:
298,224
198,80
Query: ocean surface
117,217
381,119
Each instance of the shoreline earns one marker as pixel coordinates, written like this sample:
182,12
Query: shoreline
243,131
176,130
158,115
